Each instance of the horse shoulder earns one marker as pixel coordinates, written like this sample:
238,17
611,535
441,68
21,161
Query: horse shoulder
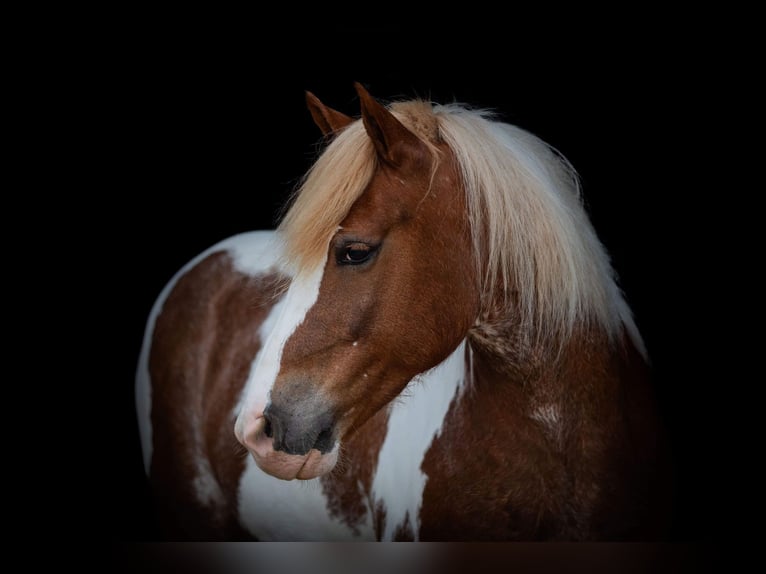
201,338
613,442
563,453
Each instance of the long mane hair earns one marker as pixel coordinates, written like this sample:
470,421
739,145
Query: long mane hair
532,236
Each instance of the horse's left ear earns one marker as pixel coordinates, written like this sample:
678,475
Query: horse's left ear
329,121
395,144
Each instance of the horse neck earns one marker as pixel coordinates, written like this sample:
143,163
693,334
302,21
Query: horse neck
571,372
578,416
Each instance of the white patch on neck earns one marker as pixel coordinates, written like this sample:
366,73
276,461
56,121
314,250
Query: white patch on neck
292,309
415,420
290,510
549,416
279,510
546,414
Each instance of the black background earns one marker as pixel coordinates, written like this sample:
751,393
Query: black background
208,142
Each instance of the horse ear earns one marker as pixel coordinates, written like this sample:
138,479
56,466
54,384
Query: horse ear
329,121
394,143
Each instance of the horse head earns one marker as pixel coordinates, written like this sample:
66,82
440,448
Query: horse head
383,285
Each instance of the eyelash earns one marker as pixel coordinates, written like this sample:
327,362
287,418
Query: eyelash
355,253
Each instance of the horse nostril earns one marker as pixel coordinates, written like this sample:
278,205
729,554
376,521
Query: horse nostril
294,434
324,442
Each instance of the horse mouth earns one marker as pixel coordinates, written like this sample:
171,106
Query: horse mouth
282,465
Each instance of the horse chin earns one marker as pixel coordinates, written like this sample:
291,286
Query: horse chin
291,466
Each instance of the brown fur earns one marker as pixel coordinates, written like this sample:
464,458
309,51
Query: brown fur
328,120
348,487
204,342
496,473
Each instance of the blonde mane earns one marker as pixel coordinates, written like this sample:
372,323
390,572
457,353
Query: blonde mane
531,232
325,196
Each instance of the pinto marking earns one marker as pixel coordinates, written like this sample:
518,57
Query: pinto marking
300,297
296,510
549,416
416,420
253,253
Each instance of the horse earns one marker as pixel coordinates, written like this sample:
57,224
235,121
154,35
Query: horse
431,345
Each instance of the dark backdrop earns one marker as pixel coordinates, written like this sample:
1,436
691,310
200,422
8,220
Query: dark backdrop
210,144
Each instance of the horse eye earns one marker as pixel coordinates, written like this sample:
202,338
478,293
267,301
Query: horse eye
354,253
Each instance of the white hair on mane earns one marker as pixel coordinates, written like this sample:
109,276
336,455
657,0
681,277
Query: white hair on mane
525,197
530,229
324,197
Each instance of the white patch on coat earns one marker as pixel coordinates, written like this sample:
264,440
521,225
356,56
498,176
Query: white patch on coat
273,509
300,297
549,416
290,510
206,487
264,332
253,253
416,419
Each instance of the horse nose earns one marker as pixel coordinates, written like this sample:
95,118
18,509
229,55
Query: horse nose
297,432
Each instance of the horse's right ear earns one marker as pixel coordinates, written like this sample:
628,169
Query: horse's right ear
329,121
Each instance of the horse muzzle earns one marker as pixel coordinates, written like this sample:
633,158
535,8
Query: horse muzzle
287,451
